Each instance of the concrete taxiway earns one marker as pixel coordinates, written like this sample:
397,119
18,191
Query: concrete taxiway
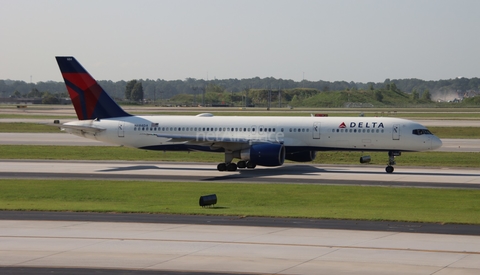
204,172
191,248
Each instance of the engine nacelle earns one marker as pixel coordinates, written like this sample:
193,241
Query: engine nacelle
265,154
302,156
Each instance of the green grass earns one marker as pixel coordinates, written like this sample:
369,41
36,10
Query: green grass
456,132
272,200
20,127
438,159
35,116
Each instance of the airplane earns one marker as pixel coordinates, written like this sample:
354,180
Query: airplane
260,140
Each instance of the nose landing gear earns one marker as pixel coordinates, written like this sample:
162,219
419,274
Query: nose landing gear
391,160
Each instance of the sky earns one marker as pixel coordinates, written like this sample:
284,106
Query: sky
338,40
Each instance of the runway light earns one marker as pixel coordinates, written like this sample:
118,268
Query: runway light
207,200
365,159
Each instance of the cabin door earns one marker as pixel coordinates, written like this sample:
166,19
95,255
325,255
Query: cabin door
396,132
316,130
121,130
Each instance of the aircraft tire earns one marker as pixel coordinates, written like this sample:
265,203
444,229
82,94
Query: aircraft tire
242,164
389,169
231,167
222,167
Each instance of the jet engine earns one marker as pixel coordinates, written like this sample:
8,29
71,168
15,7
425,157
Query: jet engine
265,154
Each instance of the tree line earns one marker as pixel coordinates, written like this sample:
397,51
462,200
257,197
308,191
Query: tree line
227,91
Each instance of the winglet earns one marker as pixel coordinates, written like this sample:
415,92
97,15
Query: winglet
89,99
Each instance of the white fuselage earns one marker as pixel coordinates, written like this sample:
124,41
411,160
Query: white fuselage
304,133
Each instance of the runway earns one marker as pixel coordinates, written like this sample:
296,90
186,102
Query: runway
207,172
93,247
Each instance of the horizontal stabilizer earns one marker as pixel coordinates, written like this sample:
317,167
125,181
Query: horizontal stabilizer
82,128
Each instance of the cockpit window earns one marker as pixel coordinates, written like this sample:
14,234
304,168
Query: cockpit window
420,132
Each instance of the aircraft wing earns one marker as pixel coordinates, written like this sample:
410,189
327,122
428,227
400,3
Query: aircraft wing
200,139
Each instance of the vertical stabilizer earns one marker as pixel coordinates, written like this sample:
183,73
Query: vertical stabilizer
89,99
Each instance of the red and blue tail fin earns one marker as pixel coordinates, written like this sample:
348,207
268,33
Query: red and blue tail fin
88,98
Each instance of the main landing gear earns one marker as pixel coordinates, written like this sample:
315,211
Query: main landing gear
233,167
391,160
228,165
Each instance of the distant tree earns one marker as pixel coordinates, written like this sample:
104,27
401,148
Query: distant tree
50,99
129,88
137,92
215,88
393,87
17,94
295,101
426,95
378,96
34,93
415,95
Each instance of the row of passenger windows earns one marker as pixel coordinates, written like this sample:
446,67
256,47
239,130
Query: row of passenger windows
358,130
204,129
219,129
236,129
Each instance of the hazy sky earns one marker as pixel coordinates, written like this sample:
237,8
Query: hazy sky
361,41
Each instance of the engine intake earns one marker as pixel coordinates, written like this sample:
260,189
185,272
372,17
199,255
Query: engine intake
265,154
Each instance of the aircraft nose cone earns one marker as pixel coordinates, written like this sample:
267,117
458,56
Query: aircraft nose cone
436,143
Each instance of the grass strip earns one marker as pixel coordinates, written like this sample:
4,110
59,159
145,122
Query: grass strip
24,127
272,200
436,159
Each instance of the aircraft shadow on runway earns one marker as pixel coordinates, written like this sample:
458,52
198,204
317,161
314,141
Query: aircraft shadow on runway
296,170
131,168
287,170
